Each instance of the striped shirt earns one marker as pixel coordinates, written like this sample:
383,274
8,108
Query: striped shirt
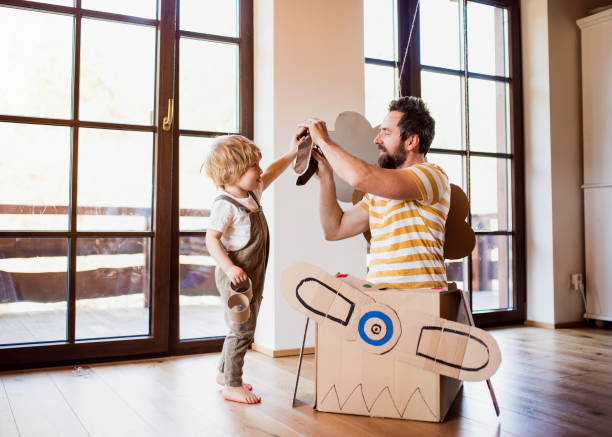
407,245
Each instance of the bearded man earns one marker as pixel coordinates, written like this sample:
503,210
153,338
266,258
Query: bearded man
406,199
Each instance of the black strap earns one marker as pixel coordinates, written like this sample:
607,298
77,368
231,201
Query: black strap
255,198
233,202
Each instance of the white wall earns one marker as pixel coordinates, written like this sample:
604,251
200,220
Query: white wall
308,62
553,156
537,143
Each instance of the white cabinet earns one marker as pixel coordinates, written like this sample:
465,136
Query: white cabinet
596,37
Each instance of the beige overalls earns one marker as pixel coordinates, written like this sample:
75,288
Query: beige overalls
253,259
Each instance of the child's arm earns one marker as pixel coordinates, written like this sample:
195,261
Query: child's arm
280,165
215,248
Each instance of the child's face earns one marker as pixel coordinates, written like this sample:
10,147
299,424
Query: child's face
251,179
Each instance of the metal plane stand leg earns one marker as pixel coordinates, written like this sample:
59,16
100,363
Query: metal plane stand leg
468,311
297,379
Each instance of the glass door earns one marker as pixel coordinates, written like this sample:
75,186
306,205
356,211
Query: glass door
213,64
76,207
90,232
464,60
466,68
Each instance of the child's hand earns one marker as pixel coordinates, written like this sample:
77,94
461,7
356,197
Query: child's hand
295,141
236,275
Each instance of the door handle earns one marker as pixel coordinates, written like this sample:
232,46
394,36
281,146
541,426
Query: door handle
168,119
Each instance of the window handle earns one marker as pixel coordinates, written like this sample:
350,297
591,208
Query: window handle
168,119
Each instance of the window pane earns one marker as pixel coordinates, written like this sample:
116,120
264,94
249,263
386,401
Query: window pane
452,165
210,16
456,271
117,72
112,287
440,34
136,8
379,91
490,198
36,59
442,93
492,273
33,289
489,116
487,30
115,180
34,177
196,190
379,29
201,307
208,86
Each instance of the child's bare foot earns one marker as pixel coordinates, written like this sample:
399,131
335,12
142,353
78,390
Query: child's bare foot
240,394
221,381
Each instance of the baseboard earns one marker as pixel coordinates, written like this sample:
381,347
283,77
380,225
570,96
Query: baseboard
563,325
576,324
275,353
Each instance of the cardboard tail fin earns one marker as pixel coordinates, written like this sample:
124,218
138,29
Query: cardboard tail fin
427,342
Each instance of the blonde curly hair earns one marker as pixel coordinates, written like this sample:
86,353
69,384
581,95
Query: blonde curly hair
229,158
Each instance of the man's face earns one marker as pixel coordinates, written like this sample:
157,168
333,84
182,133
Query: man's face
389,141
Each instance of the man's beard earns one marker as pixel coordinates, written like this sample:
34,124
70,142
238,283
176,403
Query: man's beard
387,160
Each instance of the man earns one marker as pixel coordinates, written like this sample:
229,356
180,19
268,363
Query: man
406,201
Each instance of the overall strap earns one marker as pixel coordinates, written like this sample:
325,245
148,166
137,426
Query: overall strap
255,199
234,202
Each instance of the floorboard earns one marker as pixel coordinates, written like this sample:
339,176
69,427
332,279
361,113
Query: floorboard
550,383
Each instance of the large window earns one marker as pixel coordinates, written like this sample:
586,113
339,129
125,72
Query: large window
103,210
464,61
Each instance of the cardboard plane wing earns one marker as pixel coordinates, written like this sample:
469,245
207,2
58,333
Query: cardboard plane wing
428,342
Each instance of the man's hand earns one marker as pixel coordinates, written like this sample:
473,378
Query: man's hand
324,170
236,274
317,129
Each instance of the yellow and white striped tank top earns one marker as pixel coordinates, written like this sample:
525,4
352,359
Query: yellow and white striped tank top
407,246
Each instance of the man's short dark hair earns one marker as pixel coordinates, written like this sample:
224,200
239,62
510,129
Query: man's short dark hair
416,120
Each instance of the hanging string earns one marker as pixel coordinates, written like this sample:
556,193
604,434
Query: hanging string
416,9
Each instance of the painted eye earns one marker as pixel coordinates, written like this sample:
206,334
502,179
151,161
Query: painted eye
375,328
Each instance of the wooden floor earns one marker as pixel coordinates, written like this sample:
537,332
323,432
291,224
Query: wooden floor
550,383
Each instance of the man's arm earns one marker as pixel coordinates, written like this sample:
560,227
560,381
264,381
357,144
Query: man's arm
392,184
336,223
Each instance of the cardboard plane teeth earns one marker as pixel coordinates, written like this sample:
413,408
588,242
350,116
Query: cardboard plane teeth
424,341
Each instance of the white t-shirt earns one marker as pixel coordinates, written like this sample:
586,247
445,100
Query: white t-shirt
233,223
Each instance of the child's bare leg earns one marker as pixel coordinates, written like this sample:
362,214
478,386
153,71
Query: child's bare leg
221,381
240,394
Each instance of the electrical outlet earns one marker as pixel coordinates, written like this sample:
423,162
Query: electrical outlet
576,281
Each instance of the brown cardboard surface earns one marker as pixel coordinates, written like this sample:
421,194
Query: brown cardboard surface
239,308
459,238
353,381
354,133
302,157
245,287
400,376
